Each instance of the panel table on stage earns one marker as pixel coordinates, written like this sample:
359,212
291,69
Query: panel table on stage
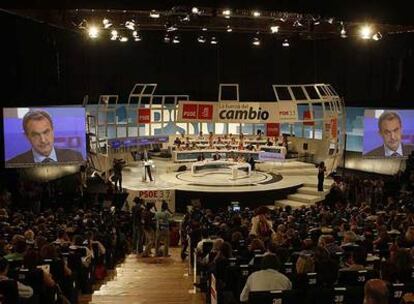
278,152
192,155
235,169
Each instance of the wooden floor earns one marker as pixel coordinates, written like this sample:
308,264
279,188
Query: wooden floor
148,280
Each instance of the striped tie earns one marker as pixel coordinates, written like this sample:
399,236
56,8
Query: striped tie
47,160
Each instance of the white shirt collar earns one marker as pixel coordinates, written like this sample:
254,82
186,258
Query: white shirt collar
389,152
38,158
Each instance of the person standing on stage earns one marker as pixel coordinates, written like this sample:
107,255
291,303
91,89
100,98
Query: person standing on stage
252,163
147,166
321,175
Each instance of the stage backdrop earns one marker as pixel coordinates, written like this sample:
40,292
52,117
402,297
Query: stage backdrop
68,136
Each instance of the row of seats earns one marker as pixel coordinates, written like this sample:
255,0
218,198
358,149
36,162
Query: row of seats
336,295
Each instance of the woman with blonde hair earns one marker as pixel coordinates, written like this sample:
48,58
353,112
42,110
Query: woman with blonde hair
305,264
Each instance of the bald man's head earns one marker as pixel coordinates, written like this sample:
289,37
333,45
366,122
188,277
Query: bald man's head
376,292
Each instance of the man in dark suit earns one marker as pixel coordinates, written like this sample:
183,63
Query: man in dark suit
390,129
38,128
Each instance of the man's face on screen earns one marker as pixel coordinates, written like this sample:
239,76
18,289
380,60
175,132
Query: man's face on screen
40,135
391,133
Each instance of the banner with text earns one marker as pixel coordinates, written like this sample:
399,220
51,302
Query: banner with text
246,112
288,111
334,128
157,196
238,112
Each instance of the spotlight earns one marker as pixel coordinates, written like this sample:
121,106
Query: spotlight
185,19
213,40
167,38
114,35
256,14
130,25
377,36
226,13
201,39
316,20
274,29
172,28
285,43
256,41
93,32
297,23
366,32
176,40
83,24
204,29
330,20
106,23
135,33
123,39
284,17
229,29
154,14
195,10
137,38
343,31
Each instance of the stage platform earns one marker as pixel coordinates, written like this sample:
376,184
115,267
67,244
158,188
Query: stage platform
281,183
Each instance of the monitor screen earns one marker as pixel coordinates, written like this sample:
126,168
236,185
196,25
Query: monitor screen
44,136
388,133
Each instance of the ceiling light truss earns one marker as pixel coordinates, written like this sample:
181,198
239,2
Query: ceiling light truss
307,26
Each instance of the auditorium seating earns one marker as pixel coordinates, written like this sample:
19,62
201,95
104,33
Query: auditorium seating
82,276
336,277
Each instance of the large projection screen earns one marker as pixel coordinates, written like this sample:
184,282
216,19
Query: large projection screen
44,136
388,133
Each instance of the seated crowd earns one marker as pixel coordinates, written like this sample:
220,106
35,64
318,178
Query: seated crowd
310,255
54,256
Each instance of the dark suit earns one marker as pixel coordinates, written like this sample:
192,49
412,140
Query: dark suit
380,151
62,155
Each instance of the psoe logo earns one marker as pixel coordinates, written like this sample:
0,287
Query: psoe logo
144,116
190,111
287,113
205,111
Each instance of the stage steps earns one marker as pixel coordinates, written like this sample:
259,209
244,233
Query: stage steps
294,168
305,198
307,195
311,191
297,172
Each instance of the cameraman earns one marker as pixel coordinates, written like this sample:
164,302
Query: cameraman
118,165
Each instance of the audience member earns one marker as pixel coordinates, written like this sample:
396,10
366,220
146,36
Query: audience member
25,292
267,279
376,292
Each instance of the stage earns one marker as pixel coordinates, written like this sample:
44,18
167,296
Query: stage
287,182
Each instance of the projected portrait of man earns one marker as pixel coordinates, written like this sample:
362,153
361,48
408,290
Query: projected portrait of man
390,129
38,129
